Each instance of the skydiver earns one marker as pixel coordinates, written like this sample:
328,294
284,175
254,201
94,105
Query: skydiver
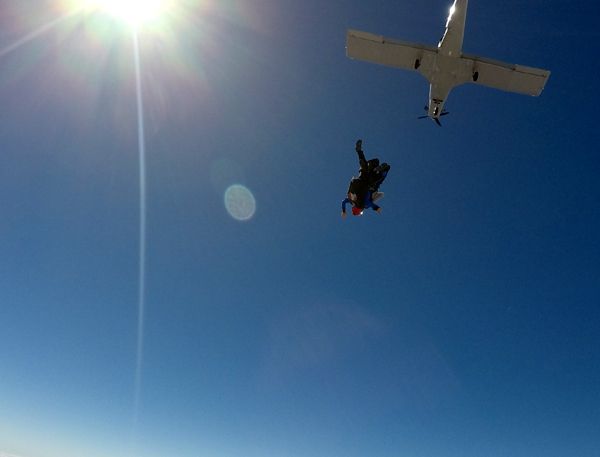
363,190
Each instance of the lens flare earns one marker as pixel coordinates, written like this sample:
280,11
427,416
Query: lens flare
132,12
240,202
142,245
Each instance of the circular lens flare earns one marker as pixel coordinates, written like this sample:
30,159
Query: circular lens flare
240,202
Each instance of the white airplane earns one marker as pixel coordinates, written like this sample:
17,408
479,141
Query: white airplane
445,66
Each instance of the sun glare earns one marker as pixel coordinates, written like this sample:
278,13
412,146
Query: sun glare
133,12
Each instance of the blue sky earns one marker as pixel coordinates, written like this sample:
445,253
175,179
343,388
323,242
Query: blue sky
461,321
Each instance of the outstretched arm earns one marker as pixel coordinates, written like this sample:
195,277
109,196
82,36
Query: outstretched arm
344,203
361,156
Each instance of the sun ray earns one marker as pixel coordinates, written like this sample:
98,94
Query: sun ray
142,234
36,33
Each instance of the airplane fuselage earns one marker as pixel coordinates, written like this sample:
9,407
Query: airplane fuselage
447,70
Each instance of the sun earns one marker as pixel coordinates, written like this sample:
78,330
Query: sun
132,12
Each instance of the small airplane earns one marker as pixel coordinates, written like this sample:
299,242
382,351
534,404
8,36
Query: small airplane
445,66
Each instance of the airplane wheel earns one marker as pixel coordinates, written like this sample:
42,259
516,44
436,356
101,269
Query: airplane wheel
475,76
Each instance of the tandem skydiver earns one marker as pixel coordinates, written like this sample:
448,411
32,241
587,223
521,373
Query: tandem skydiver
363,190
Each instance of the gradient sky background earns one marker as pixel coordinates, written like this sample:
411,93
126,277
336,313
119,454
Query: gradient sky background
461,321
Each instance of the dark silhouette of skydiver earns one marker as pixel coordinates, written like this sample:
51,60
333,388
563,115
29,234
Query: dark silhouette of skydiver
363,190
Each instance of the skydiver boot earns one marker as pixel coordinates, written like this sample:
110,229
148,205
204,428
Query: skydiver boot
383,168
376,196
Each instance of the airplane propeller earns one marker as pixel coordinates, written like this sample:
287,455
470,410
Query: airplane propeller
435,119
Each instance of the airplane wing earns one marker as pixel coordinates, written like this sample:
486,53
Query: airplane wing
508,77
392,53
